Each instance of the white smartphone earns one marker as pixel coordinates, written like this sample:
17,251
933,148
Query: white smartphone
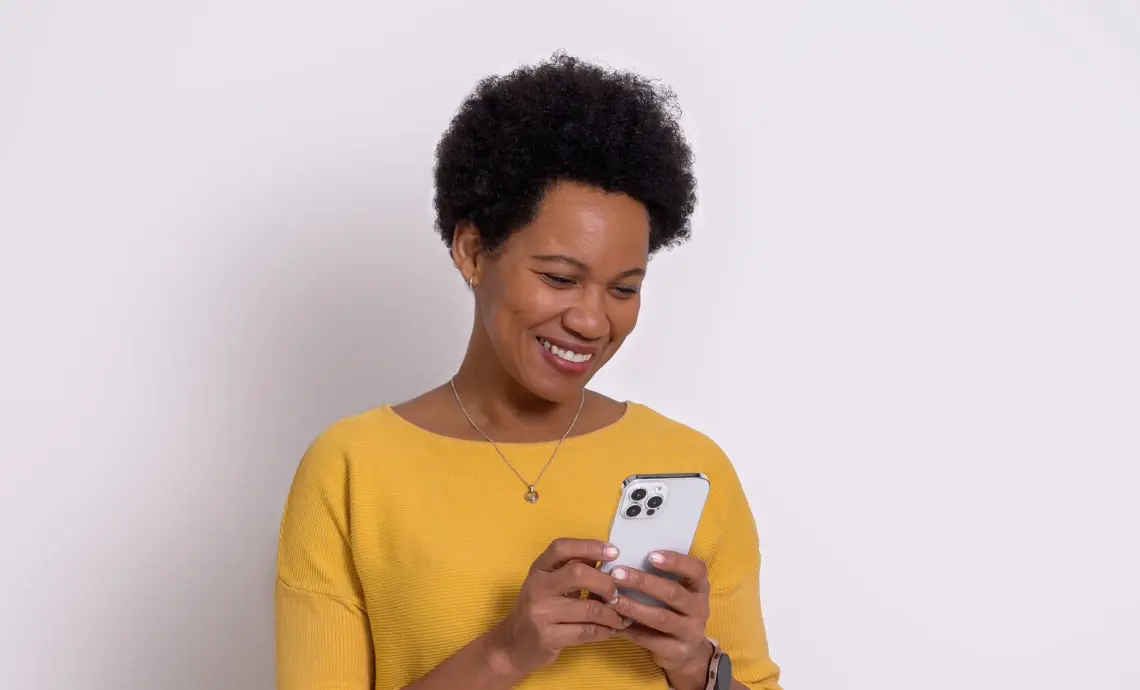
656,512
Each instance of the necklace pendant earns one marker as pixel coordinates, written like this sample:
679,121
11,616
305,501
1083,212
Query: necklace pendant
531,495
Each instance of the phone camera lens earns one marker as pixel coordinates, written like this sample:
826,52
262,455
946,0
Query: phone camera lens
638,494
633,511
650,511
655,502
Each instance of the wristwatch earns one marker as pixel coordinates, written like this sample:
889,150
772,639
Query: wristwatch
720,669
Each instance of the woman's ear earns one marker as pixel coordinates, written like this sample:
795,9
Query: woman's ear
465,252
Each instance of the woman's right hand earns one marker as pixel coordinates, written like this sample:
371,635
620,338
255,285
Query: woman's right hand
549,613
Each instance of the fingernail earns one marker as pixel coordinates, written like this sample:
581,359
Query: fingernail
657,558
611,552
614,599
620,574
626,622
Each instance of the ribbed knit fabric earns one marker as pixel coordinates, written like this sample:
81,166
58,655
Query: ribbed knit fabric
399,546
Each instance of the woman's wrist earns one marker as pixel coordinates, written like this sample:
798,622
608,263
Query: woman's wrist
695,674
483,664
497,655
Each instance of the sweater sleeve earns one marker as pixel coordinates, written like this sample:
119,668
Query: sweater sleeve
735,620
323,638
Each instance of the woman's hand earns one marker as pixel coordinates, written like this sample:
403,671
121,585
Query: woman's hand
674,636
549,613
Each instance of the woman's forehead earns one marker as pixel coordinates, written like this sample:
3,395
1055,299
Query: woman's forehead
587,223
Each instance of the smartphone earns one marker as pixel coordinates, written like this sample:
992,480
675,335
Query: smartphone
655,512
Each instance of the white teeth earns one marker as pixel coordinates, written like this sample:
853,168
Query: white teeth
568,355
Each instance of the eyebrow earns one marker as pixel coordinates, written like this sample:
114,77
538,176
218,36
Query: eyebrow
562,258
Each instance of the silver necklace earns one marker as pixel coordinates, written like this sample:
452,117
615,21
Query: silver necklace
531,495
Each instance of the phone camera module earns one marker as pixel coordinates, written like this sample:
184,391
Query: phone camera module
655,502
633,511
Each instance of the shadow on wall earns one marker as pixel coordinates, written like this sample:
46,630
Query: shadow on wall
330,310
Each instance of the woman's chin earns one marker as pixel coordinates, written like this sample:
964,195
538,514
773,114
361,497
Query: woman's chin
556,394
555,388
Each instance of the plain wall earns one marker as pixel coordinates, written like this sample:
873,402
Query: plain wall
910,312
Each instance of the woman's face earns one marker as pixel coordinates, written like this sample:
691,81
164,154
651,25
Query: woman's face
563,293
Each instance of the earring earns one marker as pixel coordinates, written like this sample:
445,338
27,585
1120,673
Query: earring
470,284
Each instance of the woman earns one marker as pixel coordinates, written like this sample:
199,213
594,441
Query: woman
445,542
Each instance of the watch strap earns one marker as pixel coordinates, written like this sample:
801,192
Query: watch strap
714,666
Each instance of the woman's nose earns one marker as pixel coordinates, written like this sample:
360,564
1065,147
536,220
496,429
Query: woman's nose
587,318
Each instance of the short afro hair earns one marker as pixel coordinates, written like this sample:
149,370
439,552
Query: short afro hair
563,119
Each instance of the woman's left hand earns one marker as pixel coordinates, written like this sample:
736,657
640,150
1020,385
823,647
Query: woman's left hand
675,636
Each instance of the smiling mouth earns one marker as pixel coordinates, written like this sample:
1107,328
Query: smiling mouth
564,354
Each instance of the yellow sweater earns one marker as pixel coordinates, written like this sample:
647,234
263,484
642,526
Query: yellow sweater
399,546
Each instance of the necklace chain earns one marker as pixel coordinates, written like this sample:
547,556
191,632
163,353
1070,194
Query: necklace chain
531,495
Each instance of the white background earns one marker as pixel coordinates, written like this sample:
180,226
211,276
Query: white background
910,312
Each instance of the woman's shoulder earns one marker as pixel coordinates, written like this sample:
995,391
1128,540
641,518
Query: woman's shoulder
668,430
671,436
357,439
369,426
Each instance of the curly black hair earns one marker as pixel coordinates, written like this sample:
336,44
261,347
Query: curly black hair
563,119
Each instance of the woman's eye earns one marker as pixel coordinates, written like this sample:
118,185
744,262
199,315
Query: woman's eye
626,291
557,280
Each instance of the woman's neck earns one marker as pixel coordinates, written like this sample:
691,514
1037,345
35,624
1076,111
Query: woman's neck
502,408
